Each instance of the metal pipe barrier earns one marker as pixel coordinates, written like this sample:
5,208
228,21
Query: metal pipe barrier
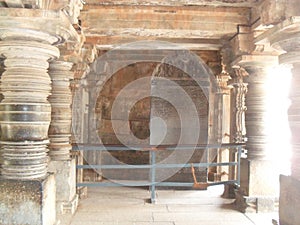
152,183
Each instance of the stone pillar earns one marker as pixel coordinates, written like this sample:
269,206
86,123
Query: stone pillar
240,90
25,111
62,165
255,115
25,116
237,131
286,36
259,186
61,100
223,123
27,190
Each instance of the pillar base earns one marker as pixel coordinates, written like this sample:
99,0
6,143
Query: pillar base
229,191
82,192
289,201
65,177
28,201
246,204
259,188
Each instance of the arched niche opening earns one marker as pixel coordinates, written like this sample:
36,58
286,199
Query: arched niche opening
116,71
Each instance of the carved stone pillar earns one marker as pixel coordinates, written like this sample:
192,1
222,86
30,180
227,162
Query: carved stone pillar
255,115
25,111
27,190
287,39
240,90
259,187
61,100
286,36
223,123
237,131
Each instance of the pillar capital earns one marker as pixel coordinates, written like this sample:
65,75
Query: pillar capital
52,27
273,12
222,80
255,62
285,39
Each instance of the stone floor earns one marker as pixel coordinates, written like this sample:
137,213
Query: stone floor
129,206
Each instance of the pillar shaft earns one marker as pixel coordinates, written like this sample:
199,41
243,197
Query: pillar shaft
287,37
240,90
294,121
258,182
255,115
25,111
61,100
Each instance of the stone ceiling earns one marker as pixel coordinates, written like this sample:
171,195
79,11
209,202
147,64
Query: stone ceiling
194,24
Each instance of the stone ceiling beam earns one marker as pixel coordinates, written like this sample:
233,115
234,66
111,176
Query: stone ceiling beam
232,3
109,42
163,22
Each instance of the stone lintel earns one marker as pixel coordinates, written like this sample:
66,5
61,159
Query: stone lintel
289,201
28,202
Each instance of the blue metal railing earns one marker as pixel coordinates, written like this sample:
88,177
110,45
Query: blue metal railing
152,183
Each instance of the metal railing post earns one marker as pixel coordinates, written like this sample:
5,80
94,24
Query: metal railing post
153,162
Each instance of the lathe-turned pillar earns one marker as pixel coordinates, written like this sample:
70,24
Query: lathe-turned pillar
259,182
286,36
27,190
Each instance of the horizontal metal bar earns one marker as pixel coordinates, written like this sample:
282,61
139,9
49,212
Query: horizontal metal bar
143,183
94,147
127,166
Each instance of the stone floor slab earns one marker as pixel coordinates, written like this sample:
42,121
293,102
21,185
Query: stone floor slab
129,206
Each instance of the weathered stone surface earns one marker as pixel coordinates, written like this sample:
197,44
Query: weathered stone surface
259,178
289,201
28,202
185,22
65,179
61,115
286,36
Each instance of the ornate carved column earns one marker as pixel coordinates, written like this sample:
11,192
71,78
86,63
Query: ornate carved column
61,100
25,111
240,90
27,43
257,184
237,132
285,37
63,163
223,121
257,67
255,115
